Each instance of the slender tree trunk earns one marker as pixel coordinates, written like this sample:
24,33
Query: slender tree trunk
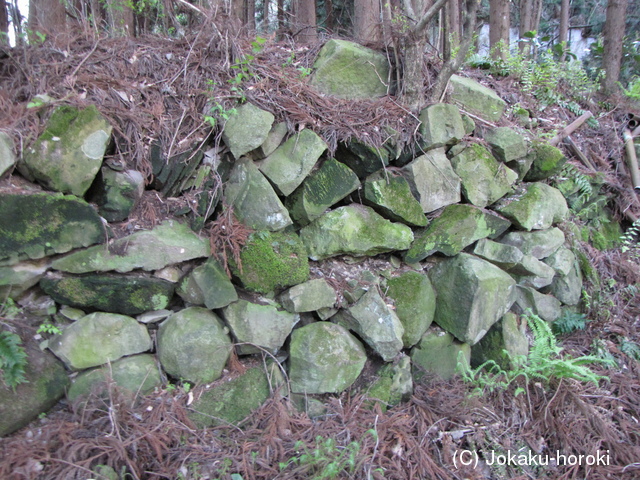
455,29
499,28
564,27
250,19
265,15
120,14
526,25
613,38
47,17
281,19
305,21
329,22
367,22
4,23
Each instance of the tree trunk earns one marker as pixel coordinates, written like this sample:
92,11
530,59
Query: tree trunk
413,74
265,15
367,23
250,20
47,17
4,23
564,27
305,21
453,16
499,28
120,16
613,38
329,21
526,25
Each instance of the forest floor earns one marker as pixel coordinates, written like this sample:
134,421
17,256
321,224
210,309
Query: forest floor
154,89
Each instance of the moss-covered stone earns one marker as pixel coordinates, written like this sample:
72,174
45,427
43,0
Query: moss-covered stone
547,161
506,143
441,125
39,225
117,193
354,230
332,182
540,243
68,154
129,295
232,401
457,227
391,197
272,261
476,98
246,129
15,279
438,354
208,285
309,296
362,158
348,70
415,302
534,206
7,157
507,334
546,307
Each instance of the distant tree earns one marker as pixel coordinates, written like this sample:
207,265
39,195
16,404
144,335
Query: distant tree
499,28
367,24
47,17
305,21
563,36
530,13
4,23
452,28
120,16
614,28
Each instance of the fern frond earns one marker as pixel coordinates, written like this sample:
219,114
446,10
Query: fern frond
13,359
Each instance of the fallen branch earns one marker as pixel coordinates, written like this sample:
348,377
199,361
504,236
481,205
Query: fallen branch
569,129
578,153
632,159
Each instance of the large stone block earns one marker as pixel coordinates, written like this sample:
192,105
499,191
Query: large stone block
441,125
534,206
476,98
438,353
246,129
391,197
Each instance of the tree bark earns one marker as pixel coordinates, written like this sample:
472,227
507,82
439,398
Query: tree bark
305,21
564,27
613,38
367,22
499,28
47,17
121,18
4,23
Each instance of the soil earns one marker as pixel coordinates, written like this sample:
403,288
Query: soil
156,90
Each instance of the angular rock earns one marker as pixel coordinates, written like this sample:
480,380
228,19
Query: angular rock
391,197
39,225
167,244
521,166
562,261
233,401
568,288
375,323
547,160
354,230
484,179
441,125
457,227
272,261
432,180
510,334
394,384
531,272
362,158
503,256
129,295
534,206
274,139
290,164
68,155
194,345
348,70
415,302
208,285
254,201
476,98
118,193
539,244
471,295
263,326
134,376
438,353
332,182
309,296
14,280
7,157
506,144
324,358
99,338
46,383
546,307
246,129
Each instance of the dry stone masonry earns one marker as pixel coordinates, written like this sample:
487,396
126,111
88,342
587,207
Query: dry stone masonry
436,255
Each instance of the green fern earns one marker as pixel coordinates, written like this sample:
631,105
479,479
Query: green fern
569,322
13,359
629,240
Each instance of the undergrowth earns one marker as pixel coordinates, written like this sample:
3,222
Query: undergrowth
13,358
543,364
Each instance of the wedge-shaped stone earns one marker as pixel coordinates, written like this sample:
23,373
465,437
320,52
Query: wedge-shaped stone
7,157
290,164
546,160
472,295
441,125
354,230
208,285
117,193
510,334
17,278
506,144
546,307
167,244
504,256
362,158
562,261
476,98
438,353
254,201
531,272
568,288
348,70
391,197
332,182
540,244
432,180
534,206
324,358
246,129
309,296
484,179
68,155
259,327
99,338
194,344
39,225
375,323
457,227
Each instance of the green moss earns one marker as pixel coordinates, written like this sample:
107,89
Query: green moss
272,261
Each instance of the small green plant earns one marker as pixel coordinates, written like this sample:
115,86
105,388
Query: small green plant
629,240
49,328
13,359
569,322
